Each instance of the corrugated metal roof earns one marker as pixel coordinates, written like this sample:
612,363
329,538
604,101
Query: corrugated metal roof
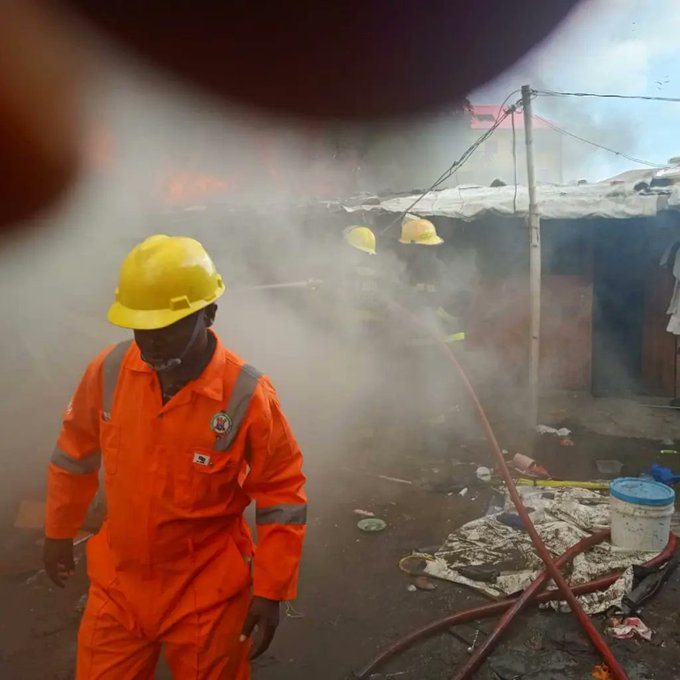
616,201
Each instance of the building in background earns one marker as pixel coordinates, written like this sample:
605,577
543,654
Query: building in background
496,160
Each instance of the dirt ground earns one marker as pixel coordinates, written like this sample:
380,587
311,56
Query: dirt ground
353,599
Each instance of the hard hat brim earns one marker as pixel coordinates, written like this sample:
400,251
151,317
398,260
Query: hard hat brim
370,251
153,319
429,241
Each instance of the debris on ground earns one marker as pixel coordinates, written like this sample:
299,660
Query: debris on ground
364,513
293,613
463,492
628,628
371,524
424,583
411,588
659,473
601,672
546,429
529,466
503,559
483,474
394,479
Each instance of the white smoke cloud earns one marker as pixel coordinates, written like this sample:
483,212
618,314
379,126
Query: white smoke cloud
608,46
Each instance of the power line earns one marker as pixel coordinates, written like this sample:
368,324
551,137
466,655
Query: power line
601,146
640,97
514,160
456,165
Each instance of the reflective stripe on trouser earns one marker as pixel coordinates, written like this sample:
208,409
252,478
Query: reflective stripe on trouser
285,513
109,650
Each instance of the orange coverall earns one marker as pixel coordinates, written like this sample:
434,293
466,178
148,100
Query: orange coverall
172,561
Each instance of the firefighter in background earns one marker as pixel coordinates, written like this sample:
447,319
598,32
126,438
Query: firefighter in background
361,285
186,435
431,301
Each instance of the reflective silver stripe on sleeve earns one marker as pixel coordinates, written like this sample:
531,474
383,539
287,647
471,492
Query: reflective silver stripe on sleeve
282,514
110,371
237,406
76,466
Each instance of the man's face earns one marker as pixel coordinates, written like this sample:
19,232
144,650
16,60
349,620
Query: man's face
163,344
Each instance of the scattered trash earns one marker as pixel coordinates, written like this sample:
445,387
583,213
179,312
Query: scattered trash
411,589
480,572
567,441
483,474
628,628
546,429
498,560
471,648
496,504
293,613
394,479
418,569
602,672
511,519
647,583
463,492
424,583
364,513
662,474
668,451
529,466
371,524
609,467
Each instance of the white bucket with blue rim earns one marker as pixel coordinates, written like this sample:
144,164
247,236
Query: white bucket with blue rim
641,512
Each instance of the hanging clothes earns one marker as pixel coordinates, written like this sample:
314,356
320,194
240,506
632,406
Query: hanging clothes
672,255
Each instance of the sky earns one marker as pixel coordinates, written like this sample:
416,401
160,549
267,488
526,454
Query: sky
614,46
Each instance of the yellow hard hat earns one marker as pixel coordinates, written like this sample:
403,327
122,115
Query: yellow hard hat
361,238
419,232
163,280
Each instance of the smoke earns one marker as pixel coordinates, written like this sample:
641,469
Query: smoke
606,46
252,191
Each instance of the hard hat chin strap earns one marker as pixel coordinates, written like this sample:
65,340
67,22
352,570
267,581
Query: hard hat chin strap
171,364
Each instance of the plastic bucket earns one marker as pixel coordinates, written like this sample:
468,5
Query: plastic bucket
641,512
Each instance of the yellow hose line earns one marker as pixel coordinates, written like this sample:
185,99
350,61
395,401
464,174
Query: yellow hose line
598,486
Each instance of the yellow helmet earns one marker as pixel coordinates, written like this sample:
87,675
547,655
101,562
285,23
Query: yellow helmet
163,280
361,238
419,232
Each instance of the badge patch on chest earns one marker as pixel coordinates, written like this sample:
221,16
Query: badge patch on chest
220,423
202,459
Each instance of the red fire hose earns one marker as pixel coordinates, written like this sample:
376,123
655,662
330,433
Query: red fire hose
489,610
552,570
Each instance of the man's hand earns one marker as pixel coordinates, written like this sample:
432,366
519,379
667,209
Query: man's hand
263,619
58,559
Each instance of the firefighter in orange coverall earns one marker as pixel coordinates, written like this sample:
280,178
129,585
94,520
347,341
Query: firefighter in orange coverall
185,434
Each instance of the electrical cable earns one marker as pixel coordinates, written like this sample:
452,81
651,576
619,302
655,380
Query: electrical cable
456,165
638,97
514,161
601,146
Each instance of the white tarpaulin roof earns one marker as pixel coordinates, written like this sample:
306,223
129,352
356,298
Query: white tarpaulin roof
618,201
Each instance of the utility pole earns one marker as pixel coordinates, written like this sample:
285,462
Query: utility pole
534,265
